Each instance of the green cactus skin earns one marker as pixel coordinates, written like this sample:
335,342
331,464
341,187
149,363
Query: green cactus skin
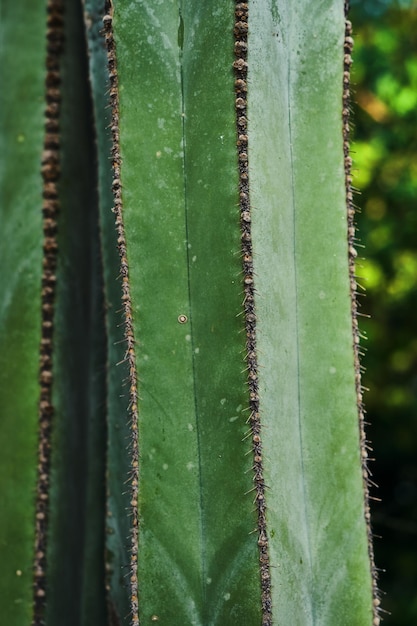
195,540
207,453
307,377
21,135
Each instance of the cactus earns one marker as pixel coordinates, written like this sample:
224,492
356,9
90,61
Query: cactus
201,456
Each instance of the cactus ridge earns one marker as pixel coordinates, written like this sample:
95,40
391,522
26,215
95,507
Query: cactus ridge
365,446
50,174
241,68
130,354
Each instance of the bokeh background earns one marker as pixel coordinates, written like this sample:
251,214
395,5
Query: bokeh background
384,150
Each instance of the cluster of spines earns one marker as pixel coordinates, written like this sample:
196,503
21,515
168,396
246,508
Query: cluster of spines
50,173
348,47
130,355
240,66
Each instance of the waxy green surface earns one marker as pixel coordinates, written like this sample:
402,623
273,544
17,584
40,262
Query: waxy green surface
21,137
198,562
318,538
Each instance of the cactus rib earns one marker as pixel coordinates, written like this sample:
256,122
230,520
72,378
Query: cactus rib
241,67
50,174
130,355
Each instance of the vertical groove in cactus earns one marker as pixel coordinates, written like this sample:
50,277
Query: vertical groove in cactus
117,401
21,130
75,439
203,372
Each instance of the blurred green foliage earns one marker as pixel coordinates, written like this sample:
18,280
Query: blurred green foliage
385,162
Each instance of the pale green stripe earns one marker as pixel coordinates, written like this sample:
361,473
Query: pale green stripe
318,540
